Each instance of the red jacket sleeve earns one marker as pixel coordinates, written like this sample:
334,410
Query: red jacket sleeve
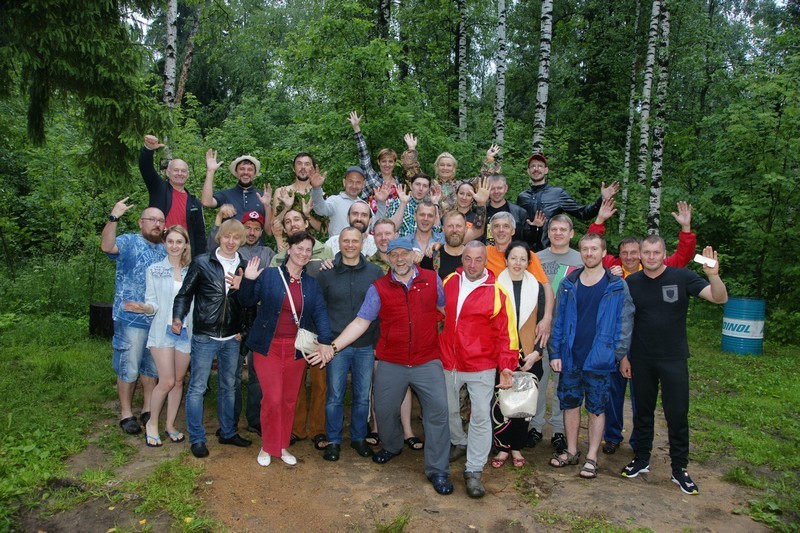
505,334
687,243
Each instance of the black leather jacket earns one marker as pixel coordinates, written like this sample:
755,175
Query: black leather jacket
552,200
215,313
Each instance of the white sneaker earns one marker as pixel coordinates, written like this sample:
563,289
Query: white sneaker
288,458
264,458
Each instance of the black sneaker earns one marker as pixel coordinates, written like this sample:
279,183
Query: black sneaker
534,438
682,479
636,467
559,442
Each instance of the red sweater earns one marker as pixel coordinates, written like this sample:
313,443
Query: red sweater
409,320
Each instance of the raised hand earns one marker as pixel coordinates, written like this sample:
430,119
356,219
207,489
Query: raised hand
355,121
266,198
286,195
710,253
234,280
211,160
315,178
307,206
607,210
151,142
252,271
382,193
493,151
436,193
684,216
120,208
538,220
411,141
481,192
611,190
402,195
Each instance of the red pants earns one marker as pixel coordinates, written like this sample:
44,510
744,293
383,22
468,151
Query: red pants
279,374
312,416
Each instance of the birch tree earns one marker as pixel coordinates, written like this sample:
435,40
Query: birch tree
187,57
626,168
543,78
500,91
462,69
170,63
647,86
653,216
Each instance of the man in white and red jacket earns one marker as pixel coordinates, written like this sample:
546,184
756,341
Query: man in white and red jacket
478,340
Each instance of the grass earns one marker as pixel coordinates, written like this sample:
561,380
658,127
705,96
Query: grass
744,412
580,524
397,525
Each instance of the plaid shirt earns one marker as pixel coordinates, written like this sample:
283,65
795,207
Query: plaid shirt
373,179
409,223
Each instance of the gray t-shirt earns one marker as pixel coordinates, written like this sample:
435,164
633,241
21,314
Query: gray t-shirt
556,266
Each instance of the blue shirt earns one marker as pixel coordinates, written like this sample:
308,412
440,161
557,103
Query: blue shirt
588,302
372,301
135,254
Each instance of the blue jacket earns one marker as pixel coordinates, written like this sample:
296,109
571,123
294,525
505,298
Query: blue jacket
270,291
614,325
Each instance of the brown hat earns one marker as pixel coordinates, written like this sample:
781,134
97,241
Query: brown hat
539,157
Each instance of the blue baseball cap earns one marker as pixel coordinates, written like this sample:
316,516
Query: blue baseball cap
405,243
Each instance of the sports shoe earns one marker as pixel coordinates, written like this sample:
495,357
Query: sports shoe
534,438
559,442
636,467
682,479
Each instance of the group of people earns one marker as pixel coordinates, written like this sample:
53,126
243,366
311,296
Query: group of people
405,283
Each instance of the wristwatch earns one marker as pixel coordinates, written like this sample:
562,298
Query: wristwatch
112,218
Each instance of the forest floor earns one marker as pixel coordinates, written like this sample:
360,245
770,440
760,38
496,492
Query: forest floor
355,494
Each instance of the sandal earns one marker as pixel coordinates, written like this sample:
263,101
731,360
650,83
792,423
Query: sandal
499,463
153,442
320,441
519,463
176,437
372,438
414,443
558,462
589,470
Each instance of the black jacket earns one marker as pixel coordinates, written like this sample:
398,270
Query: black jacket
552,201
215,313
161,197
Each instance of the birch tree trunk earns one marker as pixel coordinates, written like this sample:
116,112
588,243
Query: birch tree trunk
384,15
187,57
170,63
462,69
543,78
647,86
654,214
626,168
500,92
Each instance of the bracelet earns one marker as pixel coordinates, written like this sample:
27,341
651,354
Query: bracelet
335,349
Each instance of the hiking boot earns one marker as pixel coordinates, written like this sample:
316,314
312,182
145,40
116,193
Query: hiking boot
682,479
636,467
559,442
475,488
534,438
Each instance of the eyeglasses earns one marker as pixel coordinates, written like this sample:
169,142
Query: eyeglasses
153,220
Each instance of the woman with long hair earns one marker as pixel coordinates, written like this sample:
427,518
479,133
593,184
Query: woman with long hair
527,298
290,299
170,352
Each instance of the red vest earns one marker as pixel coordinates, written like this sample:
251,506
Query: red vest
409,320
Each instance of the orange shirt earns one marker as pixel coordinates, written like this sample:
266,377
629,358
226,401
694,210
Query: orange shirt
496,262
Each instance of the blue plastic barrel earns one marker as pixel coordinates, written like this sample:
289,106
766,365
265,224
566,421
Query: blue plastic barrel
743,326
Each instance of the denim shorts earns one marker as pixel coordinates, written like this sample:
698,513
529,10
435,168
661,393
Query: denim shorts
166,339
131,356
575,385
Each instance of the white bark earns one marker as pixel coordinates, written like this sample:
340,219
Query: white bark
462,69
543,78
187,58
647,85
170,63
626,169
654,215
500,92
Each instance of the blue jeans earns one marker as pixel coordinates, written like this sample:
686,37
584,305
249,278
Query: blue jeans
615,409
359,361
131,357
204,349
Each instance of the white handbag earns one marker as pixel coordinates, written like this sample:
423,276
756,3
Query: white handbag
305,341
520,400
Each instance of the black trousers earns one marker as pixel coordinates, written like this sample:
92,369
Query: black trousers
673,376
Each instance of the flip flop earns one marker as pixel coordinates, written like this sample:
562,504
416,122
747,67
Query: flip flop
320,441
519,463
176,437
414,443
373,439
156,441
499,463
